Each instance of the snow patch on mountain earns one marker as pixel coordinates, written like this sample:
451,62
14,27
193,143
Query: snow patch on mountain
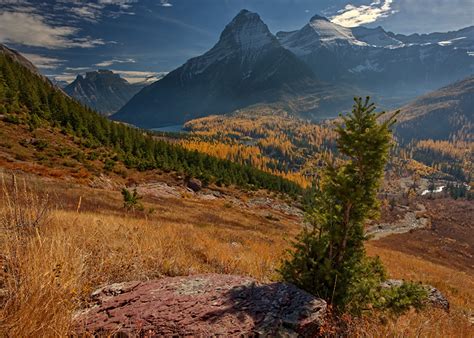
450,42
367,66
376,37
329,32
319,32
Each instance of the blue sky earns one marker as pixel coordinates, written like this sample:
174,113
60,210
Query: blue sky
145,38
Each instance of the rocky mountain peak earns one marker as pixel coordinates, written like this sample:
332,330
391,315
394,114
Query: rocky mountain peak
102,90
318,18
247,31
104,74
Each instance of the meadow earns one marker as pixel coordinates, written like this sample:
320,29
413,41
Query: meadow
59,243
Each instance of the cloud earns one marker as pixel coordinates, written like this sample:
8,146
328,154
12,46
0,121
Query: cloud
67,77
353,16
89,12
43,62
77,69
125,4
166,3
108,63
134,76
55,25
31,29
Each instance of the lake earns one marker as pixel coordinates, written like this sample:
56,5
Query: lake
177,128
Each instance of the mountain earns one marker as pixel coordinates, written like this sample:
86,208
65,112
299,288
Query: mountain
377,37
440,115
59,83
395,67
463,38
318,33
17,57
247,66
102,90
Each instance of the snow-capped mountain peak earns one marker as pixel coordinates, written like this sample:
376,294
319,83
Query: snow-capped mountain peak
247,32
330,32
376,37
245,36
319,32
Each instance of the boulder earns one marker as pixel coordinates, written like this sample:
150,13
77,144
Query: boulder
194,184
202,305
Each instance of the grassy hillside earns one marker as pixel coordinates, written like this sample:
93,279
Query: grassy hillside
47,119
58,250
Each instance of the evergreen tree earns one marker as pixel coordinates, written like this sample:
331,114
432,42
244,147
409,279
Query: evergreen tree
329,260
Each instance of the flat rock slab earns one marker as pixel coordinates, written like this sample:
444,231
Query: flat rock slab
202,305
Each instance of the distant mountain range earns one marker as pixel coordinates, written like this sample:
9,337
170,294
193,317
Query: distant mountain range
311,72
102,90
394,67
447,113
247,66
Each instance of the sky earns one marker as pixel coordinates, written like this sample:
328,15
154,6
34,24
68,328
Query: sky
143,39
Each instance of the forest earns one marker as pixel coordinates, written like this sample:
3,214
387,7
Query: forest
27,98
296,149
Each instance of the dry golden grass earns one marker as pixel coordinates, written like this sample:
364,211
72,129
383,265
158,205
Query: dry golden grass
75,253
51,271
456,285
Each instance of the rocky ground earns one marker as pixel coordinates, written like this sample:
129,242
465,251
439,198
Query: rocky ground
202,305
411,220
447,239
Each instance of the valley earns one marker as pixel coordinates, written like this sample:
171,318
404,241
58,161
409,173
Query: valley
241,180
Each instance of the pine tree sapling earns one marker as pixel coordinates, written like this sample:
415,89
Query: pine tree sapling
131,200
329,258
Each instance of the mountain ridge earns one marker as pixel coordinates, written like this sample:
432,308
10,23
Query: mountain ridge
241,70
102,90
397,68
447,113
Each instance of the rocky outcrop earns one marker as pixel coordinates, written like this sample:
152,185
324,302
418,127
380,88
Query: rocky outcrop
412,220
202,305
194,184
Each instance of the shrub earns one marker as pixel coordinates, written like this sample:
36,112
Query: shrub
399,299
131,200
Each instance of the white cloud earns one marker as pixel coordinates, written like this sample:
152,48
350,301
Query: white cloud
67,77
43,62
125,4
55,24
166,3
31,29
87,42
353,16
108,63
134,76
77,69
88,12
